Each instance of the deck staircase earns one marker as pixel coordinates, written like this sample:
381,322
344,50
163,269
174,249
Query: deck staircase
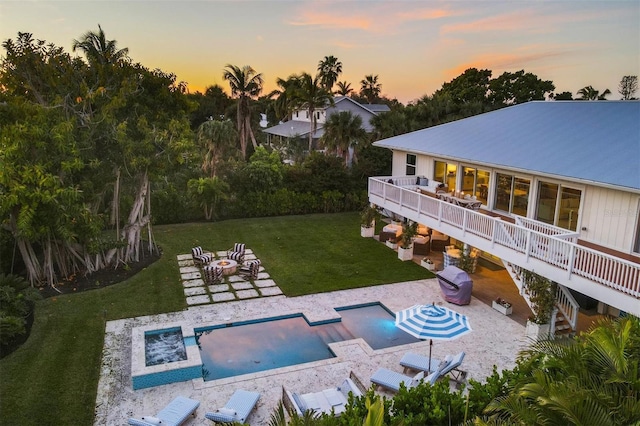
565,315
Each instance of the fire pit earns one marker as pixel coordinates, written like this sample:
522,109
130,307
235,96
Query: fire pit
228,265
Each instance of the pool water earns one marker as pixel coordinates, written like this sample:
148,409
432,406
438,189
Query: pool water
273,343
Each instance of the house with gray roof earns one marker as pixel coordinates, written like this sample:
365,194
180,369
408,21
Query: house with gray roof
555,189
300,124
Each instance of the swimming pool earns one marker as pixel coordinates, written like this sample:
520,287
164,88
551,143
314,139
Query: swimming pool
242,348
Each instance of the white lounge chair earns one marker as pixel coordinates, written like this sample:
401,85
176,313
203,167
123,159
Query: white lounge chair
237,409
173,414
392,380
326,401
449,365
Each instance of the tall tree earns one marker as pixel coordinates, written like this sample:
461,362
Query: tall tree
99,50
311,96
329,69
588,93
246,85
217,139
518,87
470,86
284,103
344,88
370,88
211,105
343,130
628,86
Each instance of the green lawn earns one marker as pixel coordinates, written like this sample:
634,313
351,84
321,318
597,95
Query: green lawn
52,379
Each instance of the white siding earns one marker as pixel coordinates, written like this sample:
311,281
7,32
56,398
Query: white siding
610,217
399,165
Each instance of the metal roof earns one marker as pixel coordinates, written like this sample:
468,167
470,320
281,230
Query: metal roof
588,141
293,128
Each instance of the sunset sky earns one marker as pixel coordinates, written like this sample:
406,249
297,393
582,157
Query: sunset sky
413,46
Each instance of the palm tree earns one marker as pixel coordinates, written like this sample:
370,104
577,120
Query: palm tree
329,69
312,96
99,50
370,88
593,379
283,104
245,85
218,139
341,131
344,88
588,93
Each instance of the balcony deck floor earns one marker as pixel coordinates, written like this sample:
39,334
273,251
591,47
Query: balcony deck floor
489,283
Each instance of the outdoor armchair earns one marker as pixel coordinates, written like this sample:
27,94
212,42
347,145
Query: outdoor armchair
326,401
200,257
237,252
213,274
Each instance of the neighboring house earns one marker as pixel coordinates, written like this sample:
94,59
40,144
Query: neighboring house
300,124
559,184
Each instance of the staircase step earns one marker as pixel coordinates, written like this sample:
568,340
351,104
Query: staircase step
562,327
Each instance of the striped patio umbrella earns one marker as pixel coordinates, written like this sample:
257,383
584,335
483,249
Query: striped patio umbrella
432,322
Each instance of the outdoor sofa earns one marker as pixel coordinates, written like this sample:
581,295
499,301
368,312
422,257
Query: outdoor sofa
326,401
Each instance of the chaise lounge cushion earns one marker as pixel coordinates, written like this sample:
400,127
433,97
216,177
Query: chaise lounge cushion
174,414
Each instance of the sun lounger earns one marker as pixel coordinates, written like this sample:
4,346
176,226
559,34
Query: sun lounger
391,380
327,401
237,409
449,365
173,414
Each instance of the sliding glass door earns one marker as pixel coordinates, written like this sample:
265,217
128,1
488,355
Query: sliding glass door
558,205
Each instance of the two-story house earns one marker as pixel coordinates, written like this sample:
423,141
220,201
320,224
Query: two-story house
300,124
558,189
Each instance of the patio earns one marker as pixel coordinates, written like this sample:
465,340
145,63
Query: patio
496,339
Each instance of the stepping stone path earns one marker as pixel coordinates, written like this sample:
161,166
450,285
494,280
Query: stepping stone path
233,287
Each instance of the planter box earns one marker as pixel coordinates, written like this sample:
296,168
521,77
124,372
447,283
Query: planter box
367,232
391,245
537,331
502,309
405,254
429,266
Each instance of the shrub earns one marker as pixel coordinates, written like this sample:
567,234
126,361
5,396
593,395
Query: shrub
17,300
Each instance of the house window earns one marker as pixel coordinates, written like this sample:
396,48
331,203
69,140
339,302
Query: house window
446,173
297,114
558,205
476,182
318,115
512,194
411,164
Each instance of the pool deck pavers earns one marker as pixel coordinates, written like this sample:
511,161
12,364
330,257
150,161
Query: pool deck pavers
496,340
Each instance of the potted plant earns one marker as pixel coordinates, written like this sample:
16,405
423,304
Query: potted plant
502,306
368,220
392,243
427,263
409,231
542,295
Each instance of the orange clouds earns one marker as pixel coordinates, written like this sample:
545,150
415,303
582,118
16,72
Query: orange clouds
375,18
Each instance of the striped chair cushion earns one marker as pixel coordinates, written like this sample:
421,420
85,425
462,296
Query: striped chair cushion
197,251
236,255
239,247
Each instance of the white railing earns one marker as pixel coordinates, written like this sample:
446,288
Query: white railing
567,305
546,243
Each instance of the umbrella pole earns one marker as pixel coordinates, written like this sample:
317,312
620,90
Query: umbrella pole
430,345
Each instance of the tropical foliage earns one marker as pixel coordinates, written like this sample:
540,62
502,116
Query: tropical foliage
592,380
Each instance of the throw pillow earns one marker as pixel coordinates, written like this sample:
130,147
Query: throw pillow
227,411
152,420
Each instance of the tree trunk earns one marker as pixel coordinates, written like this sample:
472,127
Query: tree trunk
131,233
